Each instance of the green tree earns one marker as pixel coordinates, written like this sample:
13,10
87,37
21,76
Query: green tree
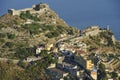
7,71
43,53
114,75
9,44
1,26
11,36
102,72
2,35
2,72
27,15
110,42
2,41
22,64
32,28
23,53
52,34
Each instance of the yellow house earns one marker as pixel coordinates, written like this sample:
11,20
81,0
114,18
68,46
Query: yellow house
84,62
49,46
89,65
55,50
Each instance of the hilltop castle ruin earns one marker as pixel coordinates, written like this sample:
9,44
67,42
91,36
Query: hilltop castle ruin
36,9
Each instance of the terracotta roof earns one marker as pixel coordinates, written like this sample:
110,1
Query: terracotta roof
94,49
57,70
80,52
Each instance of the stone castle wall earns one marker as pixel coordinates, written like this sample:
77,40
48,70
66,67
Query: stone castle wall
18,12
93,33
35,9
94,30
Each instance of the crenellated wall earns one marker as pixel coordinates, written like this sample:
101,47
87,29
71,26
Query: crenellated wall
39,8
93,30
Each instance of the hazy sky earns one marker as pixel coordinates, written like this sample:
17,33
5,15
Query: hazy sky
78,13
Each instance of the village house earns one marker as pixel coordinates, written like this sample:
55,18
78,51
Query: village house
61,46
61,69
66,66
112,64
63,35
60,59
49,46
94,74
55,50
86,63
52,66
95,50
73,46
38,49
29,21
89,65
57,74
81,46
80,52
81,75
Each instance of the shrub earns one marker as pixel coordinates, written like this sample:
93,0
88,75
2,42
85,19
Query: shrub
106,34
49,27
22,64
2,35
10,36
9,44
32,28
23,53
27,15
102,72
2,41
1,26
60,29
52,34
114,75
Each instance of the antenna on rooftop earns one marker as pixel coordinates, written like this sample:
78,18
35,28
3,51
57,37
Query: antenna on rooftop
108,27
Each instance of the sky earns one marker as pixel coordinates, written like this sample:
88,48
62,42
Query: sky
77,13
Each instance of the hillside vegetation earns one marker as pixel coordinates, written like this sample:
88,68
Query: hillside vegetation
21,35
29,30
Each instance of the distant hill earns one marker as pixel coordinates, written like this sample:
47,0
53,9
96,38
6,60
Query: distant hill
31,26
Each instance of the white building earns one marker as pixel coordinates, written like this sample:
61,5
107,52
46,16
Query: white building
94,73
38,50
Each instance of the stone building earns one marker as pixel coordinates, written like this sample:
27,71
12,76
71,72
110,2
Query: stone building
86,63
92,31
36,9
94,74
